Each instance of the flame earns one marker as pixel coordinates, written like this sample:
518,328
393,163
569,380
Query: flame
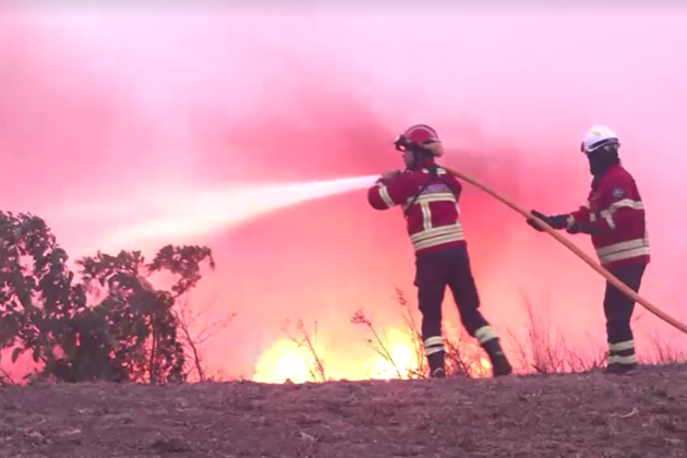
285,360
402,359
397,358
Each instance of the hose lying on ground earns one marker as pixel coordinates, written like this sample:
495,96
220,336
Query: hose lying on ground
572,247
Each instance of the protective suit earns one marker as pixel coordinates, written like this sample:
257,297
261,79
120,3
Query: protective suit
429,198
614,217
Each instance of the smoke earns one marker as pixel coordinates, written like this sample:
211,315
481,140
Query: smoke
127,116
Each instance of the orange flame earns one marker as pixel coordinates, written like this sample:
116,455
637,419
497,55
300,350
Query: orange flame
398,359
285,360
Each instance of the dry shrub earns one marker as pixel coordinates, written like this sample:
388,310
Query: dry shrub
662,352
464,358
544,350
307,340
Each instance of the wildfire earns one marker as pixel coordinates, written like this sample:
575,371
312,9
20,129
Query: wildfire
398,357
402,358
285,360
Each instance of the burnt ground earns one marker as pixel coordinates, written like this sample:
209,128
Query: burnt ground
590,415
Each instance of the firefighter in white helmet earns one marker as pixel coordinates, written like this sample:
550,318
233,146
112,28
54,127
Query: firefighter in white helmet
614,217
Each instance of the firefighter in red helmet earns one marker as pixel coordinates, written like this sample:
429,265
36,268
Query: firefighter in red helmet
429,198
614,217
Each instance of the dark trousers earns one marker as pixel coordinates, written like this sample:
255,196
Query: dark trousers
618,309
436,270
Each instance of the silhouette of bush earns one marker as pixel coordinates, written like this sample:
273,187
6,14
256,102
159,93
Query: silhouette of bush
109,324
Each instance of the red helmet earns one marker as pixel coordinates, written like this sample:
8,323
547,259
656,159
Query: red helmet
418,137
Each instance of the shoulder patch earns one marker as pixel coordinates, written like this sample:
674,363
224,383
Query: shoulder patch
618,192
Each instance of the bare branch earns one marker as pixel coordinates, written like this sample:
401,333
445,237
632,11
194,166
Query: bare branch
305,341
6,379
186,318
378,345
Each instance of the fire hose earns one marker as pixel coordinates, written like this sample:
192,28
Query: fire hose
572,247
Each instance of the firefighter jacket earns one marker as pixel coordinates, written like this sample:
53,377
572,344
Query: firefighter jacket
615,212
429,203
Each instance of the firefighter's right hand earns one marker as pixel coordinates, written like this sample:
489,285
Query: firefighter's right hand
390,175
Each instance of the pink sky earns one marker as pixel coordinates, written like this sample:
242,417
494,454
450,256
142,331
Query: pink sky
106,116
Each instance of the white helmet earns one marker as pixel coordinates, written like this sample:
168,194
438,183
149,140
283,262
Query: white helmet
598,137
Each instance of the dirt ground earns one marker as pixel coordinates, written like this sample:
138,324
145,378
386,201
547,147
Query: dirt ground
591,415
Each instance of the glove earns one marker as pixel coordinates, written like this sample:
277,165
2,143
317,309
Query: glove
390,175
556,222
533,223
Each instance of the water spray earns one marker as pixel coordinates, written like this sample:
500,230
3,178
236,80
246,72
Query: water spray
185,215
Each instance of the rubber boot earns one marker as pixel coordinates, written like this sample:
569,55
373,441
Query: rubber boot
627,369
436,365
500,365
611,368
620,369
614,366
611,364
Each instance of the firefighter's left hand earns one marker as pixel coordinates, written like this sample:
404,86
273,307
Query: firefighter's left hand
556,222
534,224
390,174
